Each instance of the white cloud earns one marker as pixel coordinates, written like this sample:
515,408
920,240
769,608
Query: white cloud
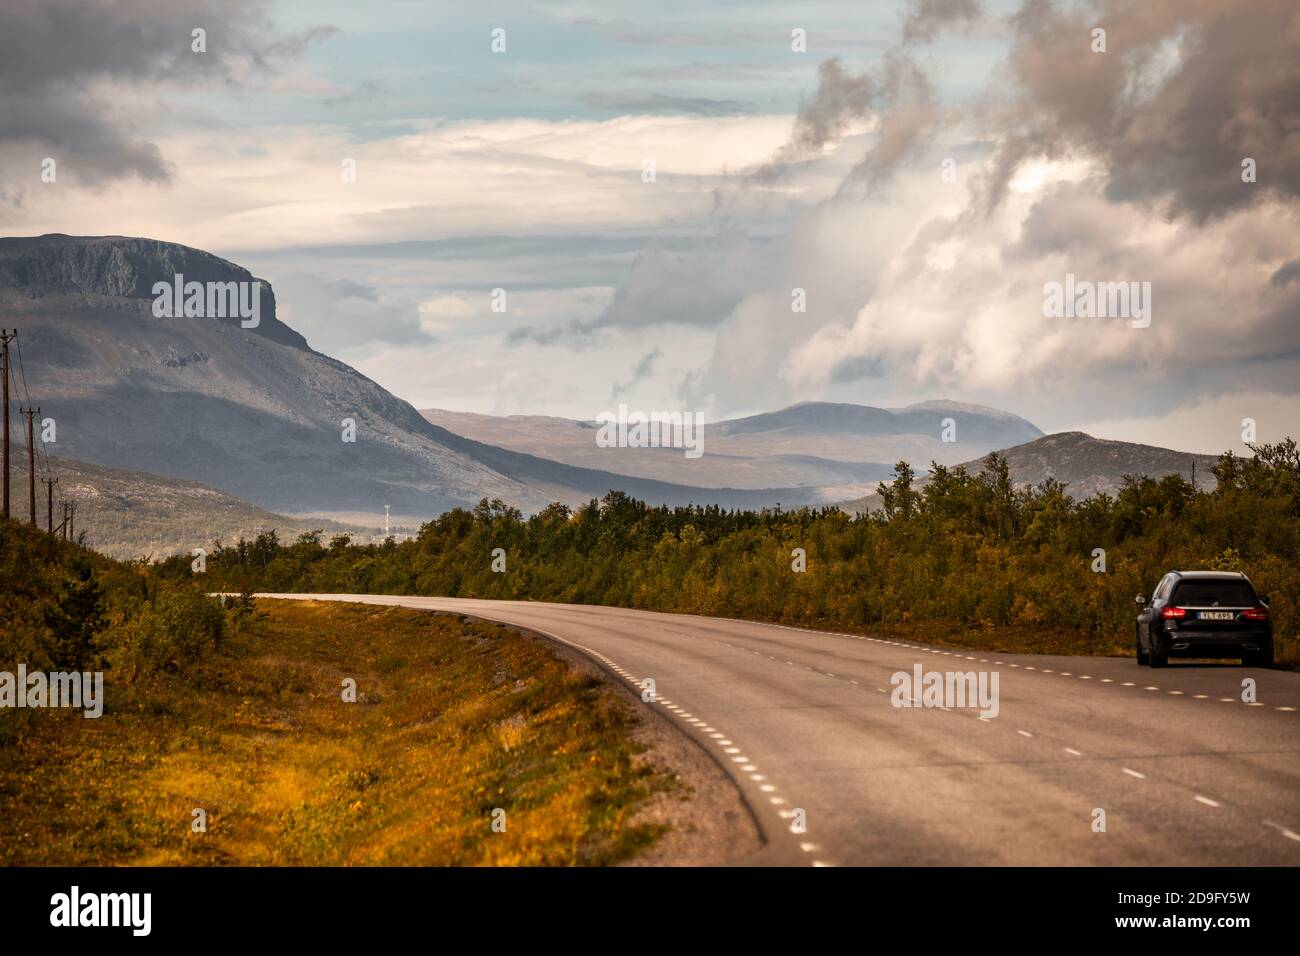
267,188
952,302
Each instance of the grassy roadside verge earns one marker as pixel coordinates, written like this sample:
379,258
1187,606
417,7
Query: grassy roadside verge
453,720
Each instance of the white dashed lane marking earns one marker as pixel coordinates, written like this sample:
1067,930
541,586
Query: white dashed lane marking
1289,834
720,739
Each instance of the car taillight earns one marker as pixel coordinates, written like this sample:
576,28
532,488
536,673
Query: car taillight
1256,614
1174,612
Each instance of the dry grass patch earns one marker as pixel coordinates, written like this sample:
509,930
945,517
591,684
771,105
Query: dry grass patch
453,720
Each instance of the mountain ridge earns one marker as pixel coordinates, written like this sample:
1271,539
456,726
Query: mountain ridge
124,267
825,446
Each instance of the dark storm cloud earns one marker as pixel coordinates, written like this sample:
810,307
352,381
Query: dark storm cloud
1185,91
58,59
643,370
909,112
928,17
86,146
840,99
901,96
1286,274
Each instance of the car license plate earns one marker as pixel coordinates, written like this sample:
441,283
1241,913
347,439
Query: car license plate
1217,616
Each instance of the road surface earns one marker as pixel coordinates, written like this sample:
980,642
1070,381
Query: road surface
1185,771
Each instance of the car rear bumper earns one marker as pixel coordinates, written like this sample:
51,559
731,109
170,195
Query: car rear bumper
1215,643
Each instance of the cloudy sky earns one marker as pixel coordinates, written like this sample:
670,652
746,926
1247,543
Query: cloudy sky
918,169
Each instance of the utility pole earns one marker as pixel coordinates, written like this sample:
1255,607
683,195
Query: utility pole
63,528
31,413
49,503
72,521
6,336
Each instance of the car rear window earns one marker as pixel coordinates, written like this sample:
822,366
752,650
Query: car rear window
1210,593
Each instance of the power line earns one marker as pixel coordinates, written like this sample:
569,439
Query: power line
50,474
22,373
6,337
49,503
31,412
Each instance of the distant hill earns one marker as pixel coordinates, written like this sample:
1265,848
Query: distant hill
822,447
976,424
131,514
1087,466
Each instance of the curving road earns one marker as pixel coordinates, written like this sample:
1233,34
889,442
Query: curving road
1185,770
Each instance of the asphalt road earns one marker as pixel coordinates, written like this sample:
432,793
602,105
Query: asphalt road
1185,770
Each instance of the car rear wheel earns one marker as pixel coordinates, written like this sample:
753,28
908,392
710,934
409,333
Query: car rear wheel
1157,657
1262,658
1141,654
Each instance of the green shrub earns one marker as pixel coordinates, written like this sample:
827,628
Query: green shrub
170,632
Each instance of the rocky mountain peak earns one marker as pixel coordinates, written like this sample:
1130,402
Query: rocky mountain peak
125,267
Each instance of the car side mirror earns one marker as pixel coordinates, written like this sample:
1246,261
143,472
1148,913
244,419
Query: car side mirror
1140,599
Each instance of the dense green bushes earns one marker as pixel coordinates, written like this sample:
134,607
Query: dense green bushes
170,632
63,607
967,550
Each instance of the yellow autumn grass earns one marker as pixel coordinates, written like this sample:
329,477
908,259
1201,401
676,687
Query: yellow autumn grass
453,721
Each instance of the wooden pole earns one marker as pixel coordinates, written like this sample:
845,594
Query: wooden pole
6,336
49,503
31,414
